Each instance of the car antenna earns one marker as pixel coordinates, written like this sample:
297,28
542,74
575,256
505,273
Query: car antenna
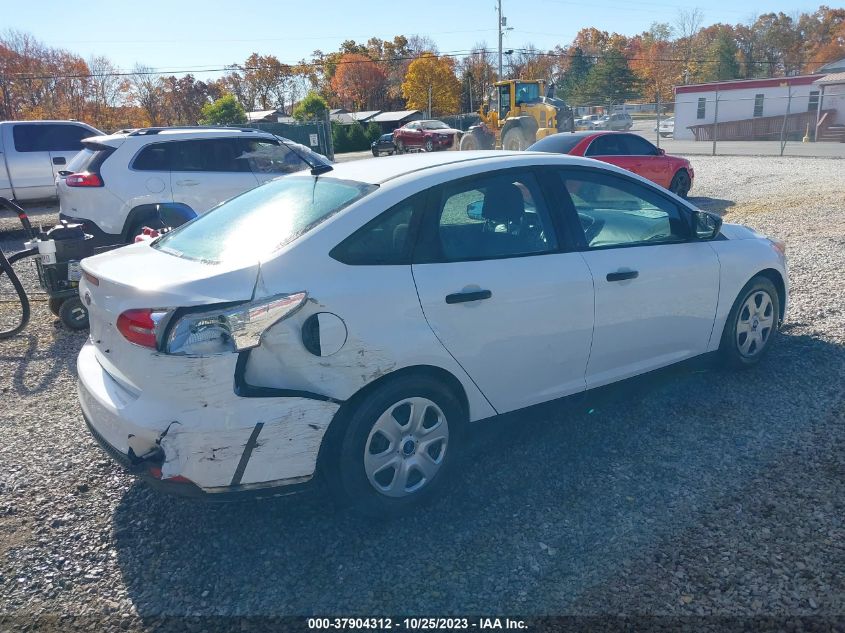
316,168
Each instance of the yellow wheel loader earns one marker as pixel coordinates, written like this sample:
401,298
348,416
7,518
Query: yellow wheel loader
522,112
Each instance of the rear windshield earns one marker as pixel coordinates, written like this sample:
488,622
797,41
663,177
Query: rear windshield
254,224
89,158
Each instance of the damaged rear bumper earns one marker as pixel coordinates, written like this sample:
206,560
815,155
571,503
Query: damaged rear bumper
217,449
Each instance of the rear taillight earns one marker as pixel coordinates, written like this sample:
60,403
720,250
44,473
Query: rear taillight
139,326
84,179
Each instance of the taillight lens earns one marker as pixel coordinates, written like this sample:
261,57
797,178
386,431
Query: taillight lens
139,326
84,179
232,329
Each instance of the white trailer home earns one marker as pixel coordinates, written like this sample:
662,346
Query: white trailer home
748,109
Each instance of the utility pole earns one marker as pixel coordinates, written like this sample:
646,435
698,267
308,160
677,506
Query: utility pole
499,6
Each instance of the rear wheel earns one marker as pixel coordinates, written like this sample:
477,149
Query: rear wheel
752,324
681,184
469,142
514,140
73,314
399,447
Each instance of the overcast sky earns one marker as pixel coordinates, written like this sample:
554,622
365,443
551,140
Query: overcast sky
187,36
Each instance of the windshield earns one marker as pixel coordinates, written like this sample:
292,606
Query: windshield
527,92
434,125
254,224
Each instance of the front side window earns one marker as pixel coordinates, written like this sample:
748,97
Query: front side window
434,125
492,217
527,92
702,108
254,224
504,100
266,156
613,211
638,146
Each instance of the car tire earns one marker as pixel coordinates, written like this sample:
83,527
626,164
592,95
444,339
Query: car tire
375,153
400,147
429,145
73,314
55,304
681,184
469,143
752,324
378,465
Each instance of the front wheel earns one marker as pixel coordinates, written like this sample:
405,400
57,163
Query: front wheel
681,184
514,140
399,447
751,324
429,145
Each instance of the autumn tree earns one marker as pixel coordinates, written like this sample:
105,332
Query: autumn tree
431,85
477,76
358,81
654,63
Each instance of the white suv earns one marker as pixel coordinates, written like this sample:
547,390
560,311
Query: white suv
121,182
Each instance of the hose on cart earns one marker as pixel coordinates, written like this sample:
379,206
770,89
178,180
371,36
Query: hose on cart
6,267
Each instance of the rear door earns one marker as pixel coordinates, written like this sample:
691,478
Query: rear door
501,291
656,287
206,172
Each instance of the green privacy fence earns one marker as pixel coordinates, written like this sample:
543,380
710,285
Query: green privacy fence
314,134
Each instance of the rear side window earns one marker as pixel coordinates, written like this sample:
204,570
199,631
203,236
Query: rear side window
154,157
254,224
384,240
49,137
557,143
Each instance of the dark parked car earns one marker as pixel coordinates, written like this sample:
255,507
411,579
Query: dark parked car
383,145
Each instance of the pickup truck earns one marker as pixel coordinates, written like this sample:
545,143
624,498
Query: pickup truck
32,153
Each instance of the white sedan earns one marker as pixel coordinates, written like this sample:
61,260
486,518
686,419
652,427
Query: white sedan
356,322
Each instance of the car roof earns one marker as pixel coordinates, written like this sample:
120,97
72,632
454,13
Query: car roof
379,170
170,133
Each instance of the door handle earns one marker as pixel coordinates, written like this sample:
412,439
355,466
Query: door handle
463,297
187,183
59,160
622,275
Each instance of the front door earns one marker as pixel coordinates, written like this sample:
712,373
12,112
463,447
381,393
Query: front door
656,288
206,172
513,309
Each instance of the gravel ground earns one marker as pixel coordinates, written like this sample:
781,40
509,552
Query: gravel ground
690,492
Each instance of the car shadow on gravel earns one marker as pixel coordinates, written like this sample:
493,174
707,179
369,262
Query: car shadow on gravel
550,502
714,205
37,367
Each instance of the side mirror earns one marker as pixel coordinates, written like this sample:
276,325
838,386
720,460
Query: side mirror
474,210
706,225
661,151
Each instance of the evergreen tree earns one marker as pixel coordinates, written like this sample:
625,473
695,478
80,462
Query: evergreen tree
575,77
611,80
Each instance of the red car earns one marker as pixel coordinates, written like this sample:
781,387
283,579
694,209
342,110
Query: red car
625,150
428,135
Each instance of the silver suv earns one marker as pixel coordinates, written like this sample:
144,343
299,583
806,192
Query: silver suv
615,121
